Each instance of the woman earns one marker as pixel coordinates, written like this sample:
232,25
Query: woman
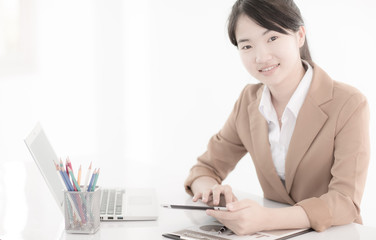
308,135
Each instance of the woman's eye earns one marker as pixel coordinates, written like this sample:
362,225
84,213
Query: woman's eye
273,38
246,47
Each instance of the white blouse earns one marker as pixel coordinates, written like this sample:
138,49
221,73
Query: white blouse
279,139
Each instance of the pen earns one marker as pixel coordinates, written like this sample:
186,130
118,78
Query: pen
174,236
222,230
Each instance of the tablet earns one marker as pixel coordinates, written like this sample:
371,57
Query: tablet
193,207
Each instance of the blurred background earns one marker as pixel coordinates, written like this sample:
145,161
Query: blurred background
139,87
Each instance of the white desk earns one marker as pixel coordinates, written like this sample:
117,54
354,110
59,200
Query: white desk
36,216
43,227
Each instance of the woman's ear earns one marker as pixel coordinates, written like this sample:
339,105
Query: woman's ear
301,36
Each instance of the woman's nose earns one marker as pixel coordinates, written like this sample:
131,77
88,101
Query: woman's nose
262,55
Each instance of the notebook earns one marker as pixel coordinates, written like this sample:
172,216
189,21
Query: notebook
117,204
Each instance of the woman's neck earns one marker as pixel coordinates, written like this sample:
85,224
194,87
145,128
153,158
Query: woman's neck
281,94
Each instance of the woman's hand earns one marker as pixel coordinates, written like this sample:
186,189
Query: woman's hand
247,217
211,193
243,217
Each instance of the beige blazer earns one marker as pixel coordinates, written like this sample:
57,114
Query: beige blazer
327,160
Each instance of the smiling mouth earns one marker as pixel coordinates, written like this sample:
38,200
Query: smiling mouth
269,68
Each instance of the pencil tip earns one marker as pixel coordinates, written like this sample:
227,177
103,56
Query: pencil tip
56,165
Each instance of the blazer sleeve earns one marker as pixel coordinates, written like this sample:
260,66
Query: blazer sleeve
341,204
223,152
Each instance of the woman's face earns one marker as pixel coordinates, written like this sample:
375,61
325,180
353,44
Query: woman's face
271,57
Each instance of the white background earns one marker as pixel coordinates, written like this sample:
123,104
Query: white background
139,87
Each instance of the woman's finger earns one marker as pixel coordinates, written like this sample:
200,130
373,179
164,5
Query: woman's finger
229,196
239,205
205,197
222,215
197,196
216,192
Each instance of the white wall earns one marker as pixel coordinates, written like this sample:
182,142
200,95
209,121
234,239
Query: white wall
139,87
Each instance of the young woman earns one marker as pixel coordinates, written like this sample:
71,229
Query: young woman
307,134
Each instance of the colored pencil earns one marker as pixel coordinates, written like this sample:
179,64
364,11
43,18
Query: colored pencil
79,176
61,176
87,177
95,180
70,186
74,180
71,205
92,180
68,165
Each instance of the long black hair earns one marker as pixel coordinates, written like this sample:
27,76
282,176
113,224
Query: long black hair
276,15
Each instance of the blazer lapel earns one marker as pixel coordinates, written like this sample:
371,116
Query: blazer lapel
309,122
261,148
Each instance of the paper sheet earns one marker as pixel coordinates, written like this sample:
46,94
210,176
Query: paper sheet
210,232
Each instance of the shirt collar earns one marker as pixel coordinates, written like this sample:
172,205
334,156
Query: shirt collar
296,101
266,107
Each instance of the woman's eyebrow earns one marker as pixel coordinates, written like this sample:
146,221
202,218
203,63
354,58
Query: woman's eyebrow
266,32
243,40
247,39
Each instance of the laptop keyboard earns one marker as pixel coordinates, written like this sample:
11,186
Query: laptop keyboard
112,202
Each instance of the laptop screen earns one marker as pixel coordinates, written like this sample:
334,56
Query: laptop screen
44,156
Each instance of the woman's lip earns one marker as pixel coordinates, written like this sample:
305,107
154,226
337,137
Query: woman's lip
267,69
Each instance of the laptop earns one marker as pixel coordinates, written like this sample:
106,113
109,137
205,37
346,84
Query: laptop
120,204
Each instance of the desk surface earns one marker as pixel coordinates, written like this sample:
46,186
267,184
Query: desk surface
36,216
49,224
